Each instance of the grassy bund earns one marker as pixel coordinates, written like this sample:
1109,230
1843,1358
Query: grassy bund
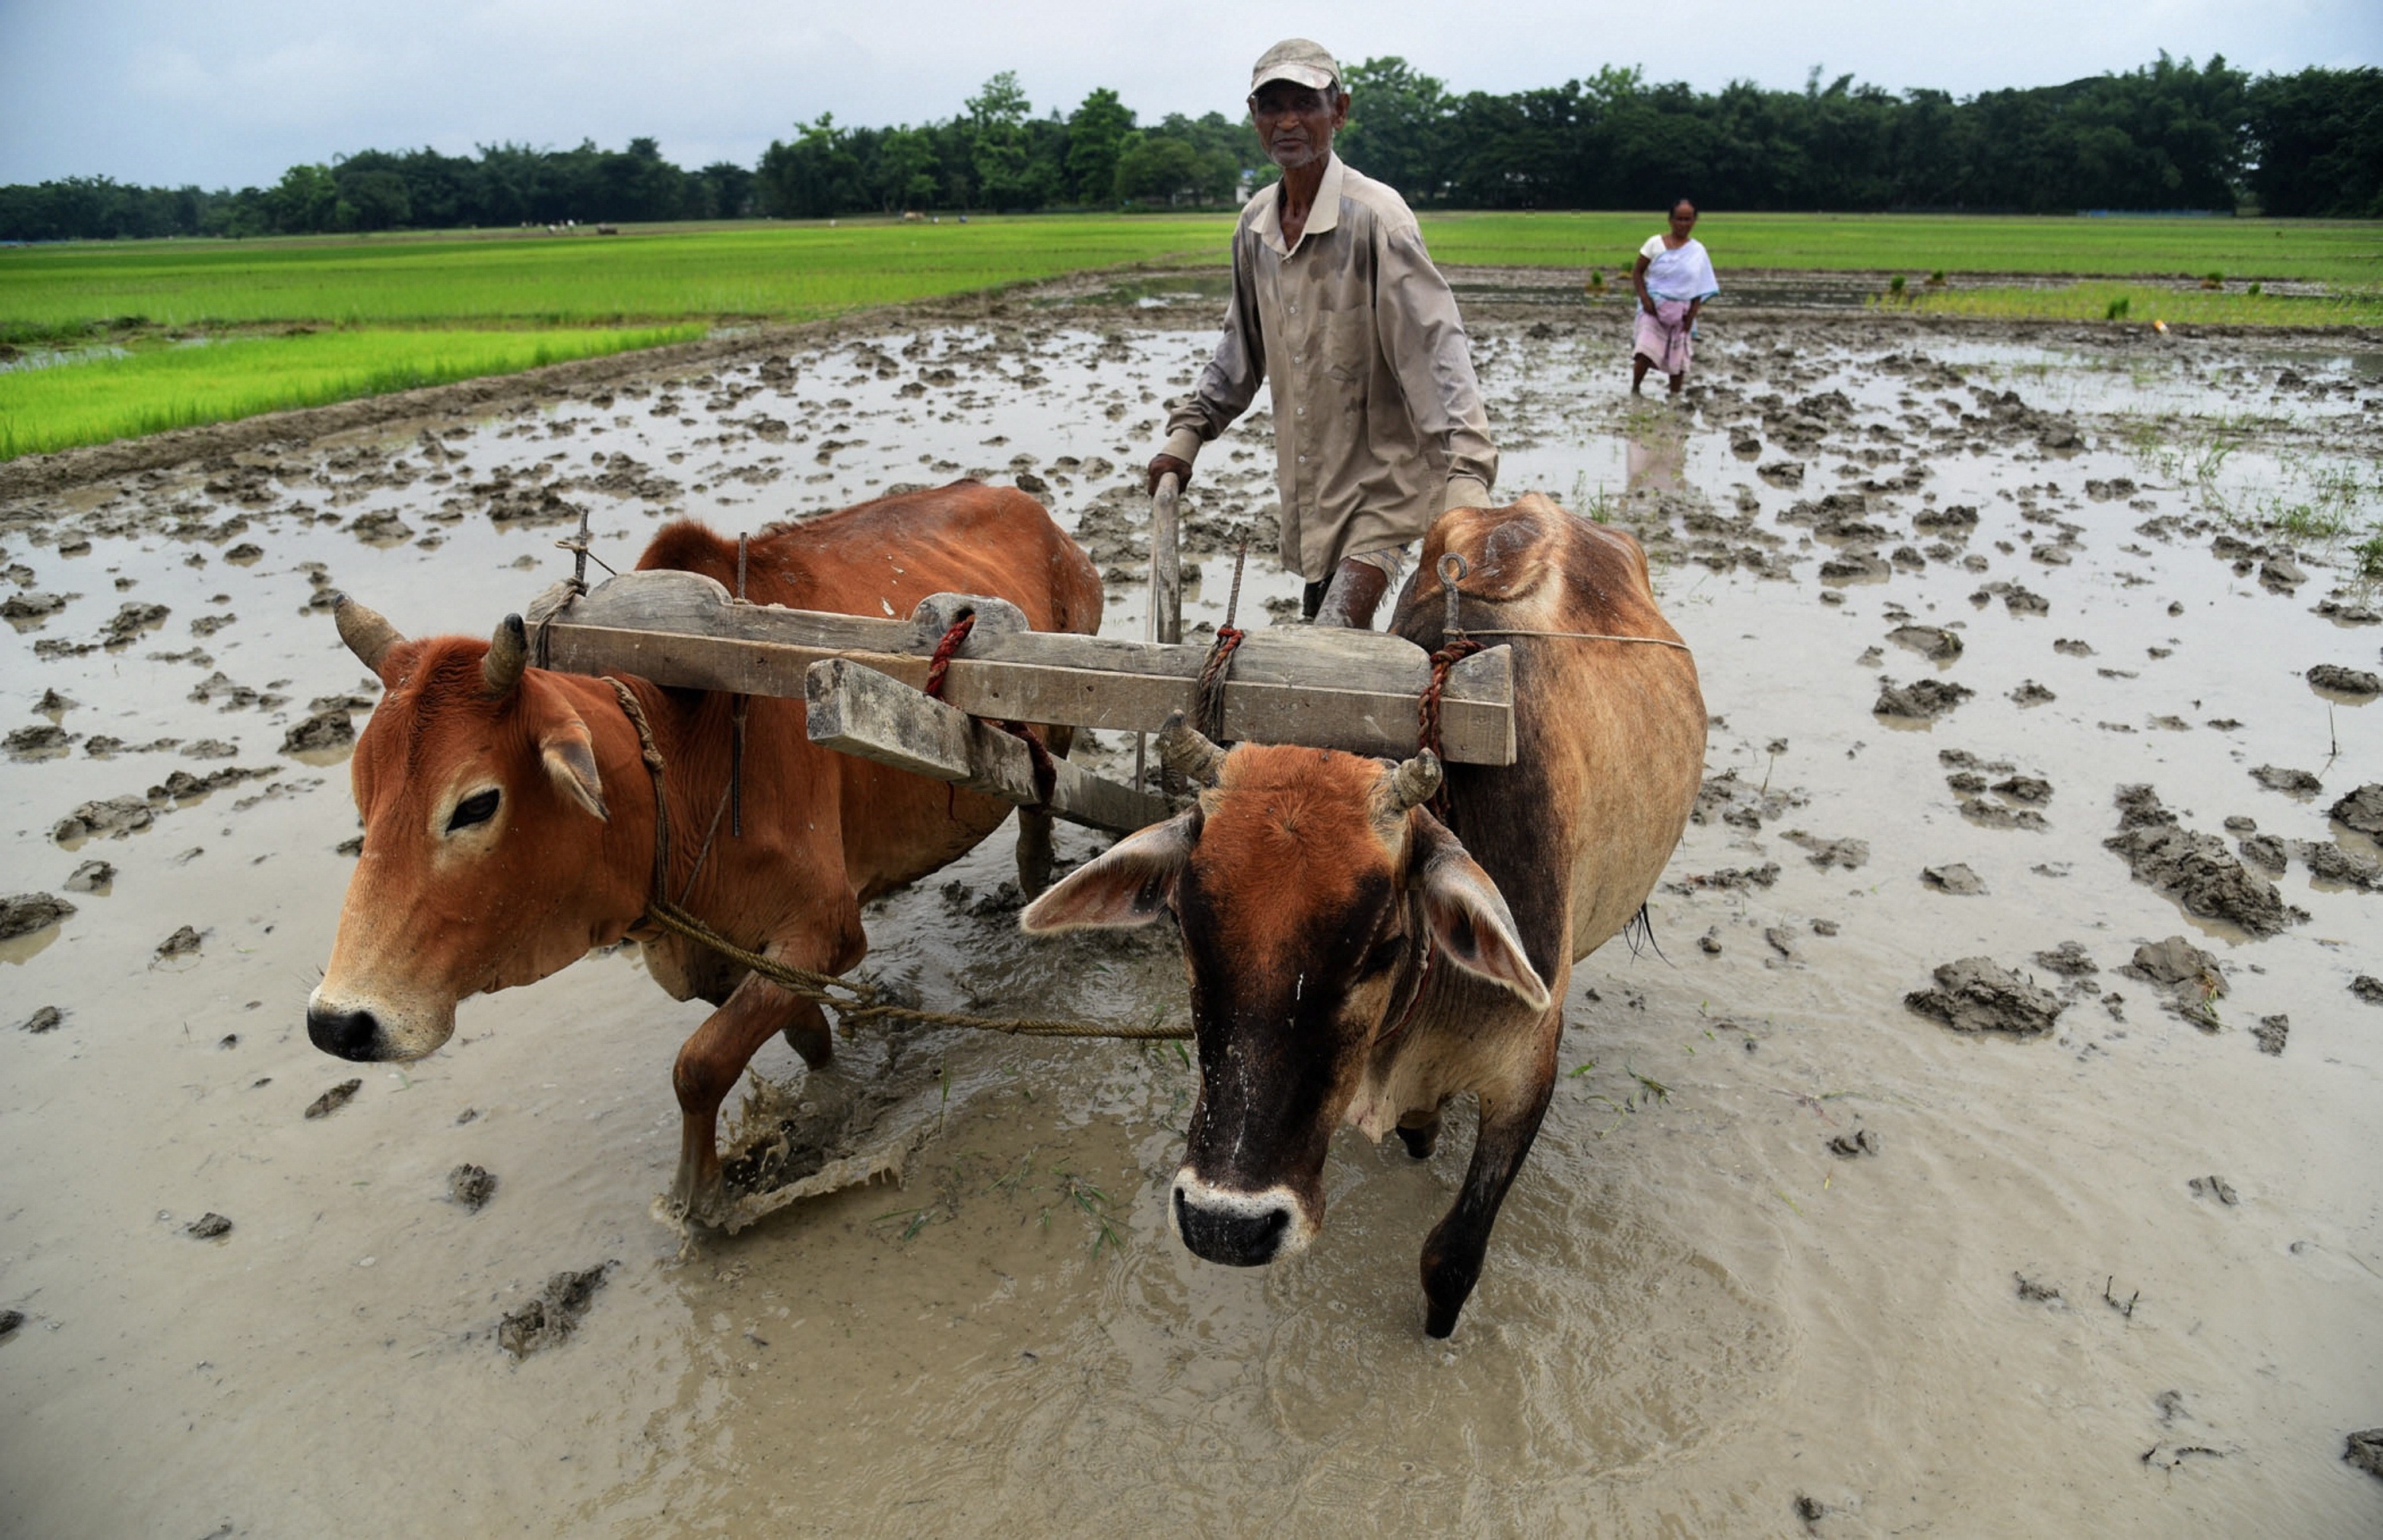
101,342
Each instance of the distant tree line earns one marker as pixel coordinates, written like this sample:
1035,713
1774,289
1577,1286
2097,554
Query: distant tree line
2167,136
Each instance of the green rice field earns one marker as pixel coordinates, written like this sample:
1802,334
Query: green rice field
213,380
388,313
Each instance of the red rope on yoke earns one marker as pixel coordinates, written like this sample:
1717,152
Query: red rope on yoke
1211,704
1427,712
1046,773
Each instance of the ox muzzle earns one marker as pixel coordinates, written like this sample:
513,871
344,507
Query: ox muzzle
1238,1229
373,1033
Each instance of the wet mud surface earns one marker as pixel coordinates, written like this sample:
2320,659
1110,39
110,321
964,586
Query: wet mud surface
2025,929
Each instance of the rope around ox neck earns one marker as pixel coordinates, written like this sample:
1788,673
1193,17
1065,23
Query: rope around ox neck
852,1001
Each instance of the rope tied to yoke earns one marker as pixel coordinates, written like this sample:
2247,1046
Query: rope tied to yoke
939,664
853,1001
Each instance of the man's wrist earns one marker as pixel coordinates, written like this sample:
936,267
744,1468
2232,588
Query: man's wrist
1465,491
1183,444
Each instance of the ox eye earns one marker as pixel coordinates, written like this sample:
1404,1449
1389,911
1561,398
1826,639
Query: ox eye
1384,957
479,807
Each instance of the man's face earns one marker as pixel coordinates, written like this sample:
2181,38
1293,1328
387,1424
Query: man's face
1295,122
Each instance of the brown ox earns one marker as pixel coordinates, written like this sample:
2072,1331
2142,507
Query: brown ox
509,819
1352,959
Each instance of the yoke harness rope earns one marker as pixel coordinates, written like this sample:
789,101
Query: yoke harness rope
854,1001
1046,773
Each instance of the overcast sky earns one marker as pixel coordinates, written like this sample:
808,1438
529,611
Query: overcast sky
228,93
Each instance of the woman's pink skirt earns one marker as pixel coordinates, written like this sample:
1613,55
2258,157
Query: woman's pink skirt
1662,338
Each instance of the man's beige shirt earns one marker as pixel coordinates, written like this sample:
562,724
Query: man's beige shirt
1379,425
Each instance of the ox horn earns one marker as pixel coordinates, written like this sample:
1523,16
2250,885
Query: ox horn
367,634
508,655
1412,783
1183,749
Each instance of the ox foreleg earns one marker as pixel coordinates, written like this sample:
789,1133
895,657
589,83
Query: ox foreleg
1509,1121
708,1066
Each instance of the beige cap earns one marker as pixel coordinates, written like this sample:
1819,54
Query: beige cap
1299,61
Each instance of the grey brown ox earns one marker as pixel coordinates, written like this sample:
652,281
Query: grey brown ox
1354,959
509,819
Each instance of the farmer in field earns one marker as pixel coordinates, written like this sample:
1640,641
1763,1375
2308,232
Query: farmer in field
1674,277
1378,418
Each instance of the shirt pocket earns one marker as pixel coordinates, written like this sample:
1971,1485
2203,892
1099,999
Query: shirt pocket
1346,345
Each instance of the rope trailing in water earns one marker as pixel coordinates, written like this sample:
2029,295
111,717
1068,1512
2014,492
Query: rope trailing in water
853,1001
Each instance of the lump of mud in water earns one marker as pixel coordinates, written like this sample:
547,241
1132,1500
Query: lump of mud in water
1729,878
1861,1142
2368,988
2362,809
2187,978
2348,614
2035,1292
182,942
46,1019
25,913
207,1227
334,1099
471,1186
1846,852
116,816
2069,959
553,1315
2366,1451
2031,789
2072,647
1741,803
2194,868
323,730
2110,490
2214,1186
1933,643
1978,995
380,528
2281,574
1954,516
2294,782
9,1321
29,609
1922,700
40,741
2346,682
2030,693
130,621
2328,862
2266,852
2271,1032
1782,472
1953,877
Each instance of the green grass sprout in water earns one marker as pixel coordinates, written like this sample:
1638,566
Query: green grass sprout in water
67,404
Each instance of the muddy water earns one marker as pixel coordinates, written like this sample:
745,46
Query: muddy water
1696,1318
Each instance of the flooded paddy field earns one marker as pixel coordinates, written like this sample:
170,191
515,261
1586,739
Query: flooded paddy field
2085,1238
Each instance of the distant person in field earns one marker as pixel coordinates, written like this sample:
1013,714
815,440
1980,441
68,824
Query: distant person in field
1674,277
1378,421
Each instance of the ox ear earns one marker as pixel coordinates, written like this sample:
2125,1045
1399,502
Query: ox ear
570,755
1129,886
1468,916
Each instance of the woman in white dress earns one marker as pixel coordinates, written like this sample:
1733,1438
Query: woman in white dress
1674,277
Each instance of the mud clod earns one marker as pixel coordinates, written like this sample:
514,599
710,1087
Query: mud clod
47,1019
92,877
553,1315
471,1186
2069,959
2271,1032
25,913
2194,870
2214,1186
10,1320
2035,1292
1861,1142
1850,853
2293,783
2366,1451
1977,994
1922,700
334,1099
207,1227
2188,979
2368,988
2356,682
1953,877
2362,809
323,730
181,944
